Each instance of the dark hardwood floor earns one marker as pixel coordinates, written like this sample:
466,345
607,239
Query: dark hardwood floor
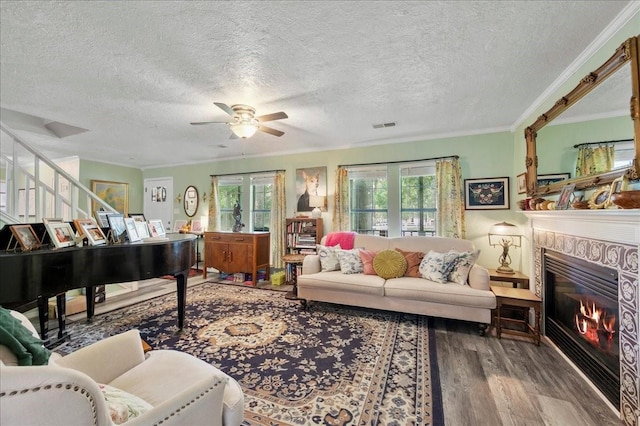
511,381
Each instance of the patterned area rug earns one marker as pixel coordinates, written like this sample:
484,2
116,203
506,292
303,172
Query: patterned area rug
330,365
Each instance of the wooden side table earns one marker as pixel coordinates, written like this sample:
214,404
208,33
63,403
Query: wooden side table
294,260
515,278
522,298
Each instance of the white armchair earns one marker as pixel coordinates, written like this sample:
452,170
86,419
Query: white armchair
179,388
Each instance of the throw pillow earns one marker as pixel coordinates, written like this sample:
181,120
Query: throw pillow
367,261
350,262
122,405
328,258
413,262
464,262
437,266
27,348
389,264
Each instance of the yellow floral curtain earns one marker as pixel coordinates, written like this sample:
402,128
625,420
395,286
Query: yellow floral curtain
214,210
594,160
341,200
278,220
450,215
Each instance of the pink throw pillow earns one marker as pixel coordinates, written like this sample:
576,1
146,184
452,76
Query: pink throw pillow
413,262
367,260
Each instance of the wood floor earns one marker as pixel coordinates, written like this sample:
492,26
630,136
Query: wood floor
509,381
486,381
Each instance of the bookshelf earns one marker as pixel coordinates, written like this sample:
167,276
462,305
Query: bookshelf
302,234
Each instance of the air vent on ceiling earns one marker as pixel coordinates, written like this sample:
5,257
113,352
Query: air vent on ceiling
382,125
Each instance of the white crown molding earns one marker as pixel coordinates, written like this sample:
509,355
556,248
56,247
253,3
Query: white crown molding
618,22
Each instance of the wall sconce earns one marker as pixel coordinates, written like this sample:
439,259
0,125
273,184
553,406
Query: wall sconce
505,235
179,198
316,202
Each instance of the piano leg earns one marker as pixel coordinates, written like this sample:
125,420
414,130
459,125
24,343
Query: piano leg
181,284
61,304
43,317
90,293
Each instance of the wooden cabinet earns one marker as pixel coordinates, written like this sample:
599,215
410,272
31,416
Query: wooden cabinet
302,234
233,252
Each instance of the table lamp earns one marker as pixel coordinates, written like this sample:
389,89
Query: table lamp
505,235
316,202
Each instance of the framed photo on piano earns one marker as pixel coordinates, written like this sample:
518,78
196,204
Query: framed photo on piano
26,237
94,234
61,234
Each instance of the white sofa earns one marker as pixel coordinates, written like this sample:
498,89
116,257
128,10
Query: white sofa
472,302
181,389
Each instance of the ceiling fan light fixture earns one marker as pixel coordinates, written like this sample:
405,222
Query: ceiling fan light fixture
244,130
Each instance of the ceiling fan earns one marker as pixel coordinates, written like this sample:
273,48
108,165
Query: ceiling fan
244,123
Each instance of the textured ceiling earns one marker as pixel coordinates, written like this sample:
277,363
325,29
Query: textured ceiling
136,73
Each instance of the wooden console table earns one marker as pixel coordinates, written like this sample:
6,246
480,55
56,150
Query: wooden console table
233,252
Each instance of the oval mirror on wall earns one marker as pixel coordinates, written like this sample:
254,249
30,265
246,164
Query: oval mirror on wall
191,201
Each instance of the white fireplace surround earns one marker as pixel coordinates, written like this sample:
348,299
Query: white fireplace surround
609,238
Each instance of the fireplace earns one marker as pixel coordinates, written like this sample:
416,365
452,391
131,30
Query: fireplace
581,305
599,238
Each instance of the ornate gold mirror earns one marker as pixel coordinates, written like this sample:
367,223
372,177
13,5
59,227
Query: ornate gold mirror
605,86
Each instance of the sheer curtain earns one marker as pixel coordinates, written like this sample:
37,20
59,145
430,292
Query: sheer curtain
450,220
341,200
594,160
214,210
278,220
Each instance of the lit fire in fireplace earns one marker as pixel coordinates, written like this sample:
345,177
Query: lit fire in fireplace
595,324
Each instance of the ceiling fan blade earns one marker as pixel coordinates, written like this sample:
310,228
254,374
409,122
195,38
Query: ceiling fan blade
198,123
271,131
270,117
225,108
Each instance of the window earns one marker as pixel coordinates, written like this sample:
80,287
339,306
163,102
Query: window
230,192
418,200
368,200
623,154
261,196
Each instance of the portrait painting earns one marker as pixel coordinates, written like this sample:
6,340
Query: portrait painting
310,182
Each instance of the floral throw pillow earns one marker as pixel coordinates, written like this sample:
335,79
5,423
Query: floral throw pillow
122,405
438,266
350,262
464,261
328,258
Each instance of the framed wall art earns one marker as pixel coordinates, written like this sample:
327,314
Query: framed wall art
116,194
548,179
521,183
61,234
565,197
486,194
310,182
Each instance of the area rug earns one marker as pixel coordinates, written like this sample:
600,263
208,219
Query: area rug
329,365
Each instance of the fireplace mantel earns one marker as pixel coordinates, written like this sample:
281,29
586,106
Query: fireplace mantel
609,238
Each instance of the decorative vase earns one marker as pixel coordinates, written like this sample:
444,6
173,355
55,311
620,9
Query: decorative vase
626,199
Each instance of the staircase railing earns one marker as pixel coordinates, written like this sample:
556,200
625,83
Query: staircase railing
33,187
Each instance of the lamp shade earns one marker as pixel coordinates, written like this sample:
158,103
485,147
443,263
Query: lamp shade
316,201
244,130
504,228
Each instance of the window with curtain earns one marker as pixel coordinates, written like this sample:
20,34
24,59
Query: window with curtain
623,154
261,198
368,200
418,200
230,192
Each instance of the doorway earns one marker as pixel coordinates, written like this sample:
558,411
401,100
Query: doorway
158,201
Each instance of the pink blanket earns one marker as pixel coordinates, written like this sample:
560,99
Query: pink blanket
345,239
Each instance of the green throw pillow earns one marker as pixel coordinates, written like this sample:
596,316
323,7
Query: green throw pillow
389,264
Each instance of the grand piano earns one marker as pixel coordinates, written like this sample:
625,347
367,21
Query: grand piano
35,276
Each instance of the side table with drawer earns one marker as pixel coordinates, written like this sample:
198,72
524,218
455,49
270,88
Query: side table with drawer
522,298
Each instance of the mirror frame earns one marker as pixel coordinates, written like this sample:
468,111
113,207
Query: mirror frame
193,205
626,52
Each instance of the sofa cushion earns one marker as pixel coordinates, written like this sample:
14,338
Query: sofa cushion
350,262
420,289
328,258
464,262
367,261
389,264
438,266
413,262
348,283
